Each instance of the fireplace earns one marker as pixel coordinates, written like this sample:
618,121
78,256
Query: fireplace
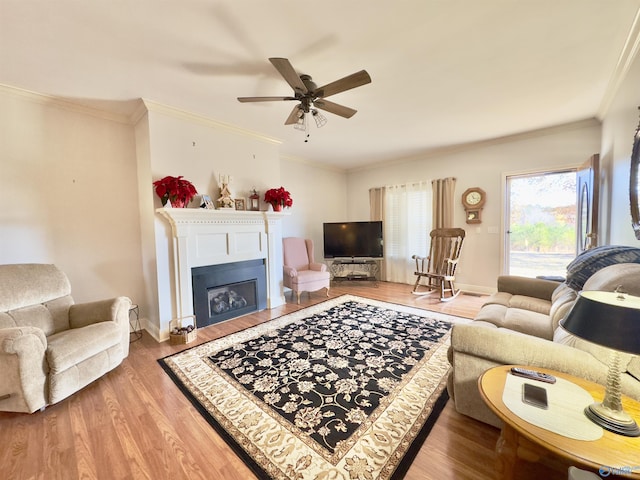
229,290
200,237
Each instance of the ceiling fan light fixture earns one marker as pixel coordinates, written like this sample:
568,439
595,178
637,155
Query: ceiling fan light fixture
320,119
301,124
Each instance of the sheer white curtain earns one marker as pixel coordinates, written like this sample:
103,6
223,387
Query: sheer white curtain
407,222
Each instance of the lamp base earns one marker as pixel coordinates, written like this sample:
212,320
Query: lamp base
615,421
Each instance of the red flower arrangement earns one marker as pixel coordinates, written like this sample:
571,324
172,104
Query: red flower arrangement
278,198
176,190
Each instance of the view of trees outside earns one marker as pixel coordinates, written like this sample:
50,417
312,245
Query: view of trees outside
542,224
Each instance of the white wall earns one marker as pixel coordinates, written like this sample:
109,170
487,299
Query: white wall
481,165
619,126
69,194
319,195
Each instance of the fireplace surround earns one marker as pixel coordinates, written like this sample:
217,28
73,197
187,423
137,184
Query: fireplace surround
202,237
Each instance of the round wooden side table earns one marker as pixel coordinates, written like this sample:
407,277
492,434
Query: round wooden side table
612,454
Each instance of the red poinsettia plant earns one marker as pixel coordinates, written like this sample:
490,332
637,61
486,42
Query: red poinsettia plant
176,190
278,198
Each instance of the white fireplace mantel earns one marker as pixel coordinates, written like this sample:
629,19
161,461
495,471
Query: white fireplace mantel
202,237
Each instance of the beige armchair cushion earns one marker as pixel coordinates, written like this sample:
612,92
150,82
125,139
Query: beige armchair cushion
563,300
530,304
73,346
31,284
517,319
78,356
50,317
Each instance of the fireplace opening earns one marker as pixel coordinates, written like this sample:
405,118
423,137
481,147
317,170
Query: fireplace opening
222,292
231,297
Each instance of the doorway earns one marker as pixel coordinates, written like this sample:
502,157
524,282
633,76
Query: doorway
541,228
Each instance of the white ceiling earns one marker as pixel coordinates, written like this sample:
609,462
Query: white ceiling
444,72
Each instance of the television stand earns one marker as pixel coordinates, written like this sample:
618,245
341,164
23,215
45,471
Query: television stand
354,270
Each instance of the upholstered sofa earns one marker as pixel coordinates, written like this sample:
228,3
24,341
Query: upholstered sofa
519,324
51,347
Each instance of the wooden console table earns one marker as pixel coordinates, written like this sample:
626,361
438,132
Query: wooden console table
520,440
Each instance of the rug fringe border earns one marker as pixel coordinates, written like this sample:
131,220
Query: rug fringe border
412,452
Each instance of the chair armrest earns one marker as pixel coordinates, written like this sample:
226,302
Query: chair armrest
289,271
529,287
23,341
318,267
24,369
503,347
111,310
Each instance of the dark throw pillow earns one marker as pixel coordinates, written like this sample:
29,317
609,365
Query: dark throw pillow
590,261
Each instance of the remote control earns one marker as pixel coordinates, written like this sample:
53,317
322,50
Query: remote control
533,375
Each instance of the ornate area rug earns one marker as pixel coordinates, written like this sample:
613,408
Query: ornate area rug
346,389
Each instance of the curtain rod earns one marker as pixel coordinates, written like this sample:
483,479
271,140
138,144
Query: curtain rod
421,182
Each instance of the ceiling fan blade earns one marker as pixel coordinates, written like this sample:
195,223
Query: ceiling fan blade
264,99
347,83
289,74
334,108
293,116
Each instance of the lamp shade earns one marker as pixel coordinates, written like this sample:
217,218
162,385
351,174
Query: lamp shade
610,319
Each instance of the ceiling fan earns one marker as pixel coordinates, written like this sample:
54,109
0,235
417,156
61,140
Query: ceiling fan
310,95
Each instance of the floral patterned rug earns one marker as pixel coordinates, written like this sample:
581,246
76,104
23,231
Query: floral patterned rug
346,389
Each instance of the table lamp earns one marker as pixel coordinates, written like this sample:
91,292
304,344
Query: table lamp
610,319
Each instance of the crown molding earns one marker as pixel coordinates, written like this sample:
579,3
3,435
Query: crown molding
142,106
139,112
625,60
174,112
68,104
464,147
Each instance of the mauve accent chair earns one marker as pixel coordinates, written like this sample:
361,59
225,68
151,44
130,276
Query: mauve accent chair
51,347
301,272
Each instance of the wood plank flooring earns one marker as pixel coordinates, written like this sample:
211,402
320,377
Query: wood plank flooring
134,423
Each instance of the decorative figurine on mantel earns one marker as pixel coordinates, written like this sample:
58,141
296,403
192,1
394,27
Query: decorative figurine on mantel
254,200
225,200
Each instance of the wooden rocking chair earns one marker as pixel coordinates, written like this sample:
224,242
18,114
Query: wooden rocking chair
446,244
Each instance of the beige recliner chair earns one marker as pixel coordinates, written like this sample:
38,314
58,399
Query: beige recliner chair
301,272
49,346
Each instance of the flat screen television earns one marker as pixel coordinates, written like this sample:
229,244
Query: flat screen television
353,239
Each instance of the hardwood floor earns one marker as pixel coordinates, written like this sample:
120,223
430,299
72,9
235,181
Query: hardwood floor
135,423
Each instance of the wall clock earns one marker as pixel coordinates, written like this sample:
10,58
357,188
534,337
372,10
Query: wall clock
473,200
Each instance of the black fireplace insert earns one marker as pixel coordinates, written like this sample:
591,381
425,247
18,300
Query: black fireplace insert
229,290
